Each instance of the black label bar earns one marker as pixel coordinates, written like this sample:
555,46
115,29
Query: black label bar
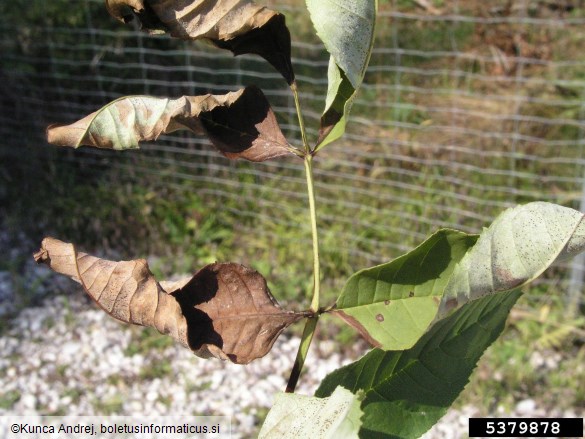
526,427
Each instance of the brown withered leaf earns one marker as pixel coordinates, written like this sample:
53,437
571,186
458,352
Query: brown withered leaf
240,26
240,124
224,311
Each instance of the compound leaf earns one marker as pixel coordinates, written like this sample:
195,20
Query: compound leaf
407,392
297,416
240,124
224,311
240,26
346,27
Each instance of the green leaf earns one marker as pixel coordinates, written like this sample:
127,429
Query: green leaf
407,392
393,304
298,416
519,245
346,27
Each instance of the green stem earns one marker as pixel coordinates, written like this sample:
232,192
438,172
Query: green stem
313,215
302,353
311,323
295,93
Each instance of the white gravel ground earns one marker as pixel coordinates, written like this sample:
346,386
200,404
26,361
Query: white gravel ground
68,357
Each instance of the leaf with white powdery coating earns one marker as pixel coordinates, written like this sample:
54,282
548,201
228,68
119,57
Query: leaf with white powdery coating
224,311
297,416
517,248
346,27
240,26
240,124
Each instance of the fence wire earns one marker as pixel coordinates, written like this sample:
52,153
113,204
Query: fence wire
467,108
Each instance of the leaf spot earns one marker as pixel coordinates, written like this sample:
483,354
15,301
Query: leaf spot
379,317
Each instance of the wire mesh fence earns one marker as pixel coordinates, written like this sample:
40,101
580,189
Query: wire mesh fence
467,108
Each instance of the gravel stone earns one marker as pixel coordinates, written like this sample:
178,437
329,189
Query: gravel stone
526,406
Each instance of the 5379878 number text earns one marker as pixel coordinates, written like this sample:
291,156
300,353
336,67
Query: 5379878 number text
530,427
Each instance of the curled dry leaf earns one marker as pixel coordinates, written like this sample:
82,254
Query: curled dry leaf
240,26
240,124
224,311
